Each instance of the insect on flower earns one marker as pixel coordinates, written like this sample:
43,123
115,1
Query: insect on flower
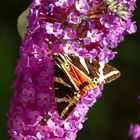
74,76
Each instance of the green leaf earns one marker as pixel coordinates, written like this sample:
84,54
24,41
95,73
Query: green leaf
22,23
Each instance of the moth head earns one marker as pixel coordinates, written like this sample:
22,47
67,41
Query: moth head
62,61
96,82
66,65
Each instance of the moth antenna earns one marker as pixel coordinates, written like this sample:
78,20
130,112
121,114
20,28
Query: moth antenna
49,43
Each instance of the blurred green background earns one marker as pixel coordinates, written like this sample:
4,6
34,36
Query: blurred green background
110,117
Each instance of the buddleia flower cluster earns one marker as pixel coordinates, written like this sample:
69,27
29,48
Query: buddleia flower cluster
134,130
88,28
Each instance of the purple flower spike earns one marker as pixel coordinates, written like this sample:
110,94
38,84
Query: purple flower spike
134,131
87,28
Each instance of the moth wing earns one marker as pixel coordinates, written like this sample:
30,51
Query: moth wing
96,70
110,73
64,93
66,89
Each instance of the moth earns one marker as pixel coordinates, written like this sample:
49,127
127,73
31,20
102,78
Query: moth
74,76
